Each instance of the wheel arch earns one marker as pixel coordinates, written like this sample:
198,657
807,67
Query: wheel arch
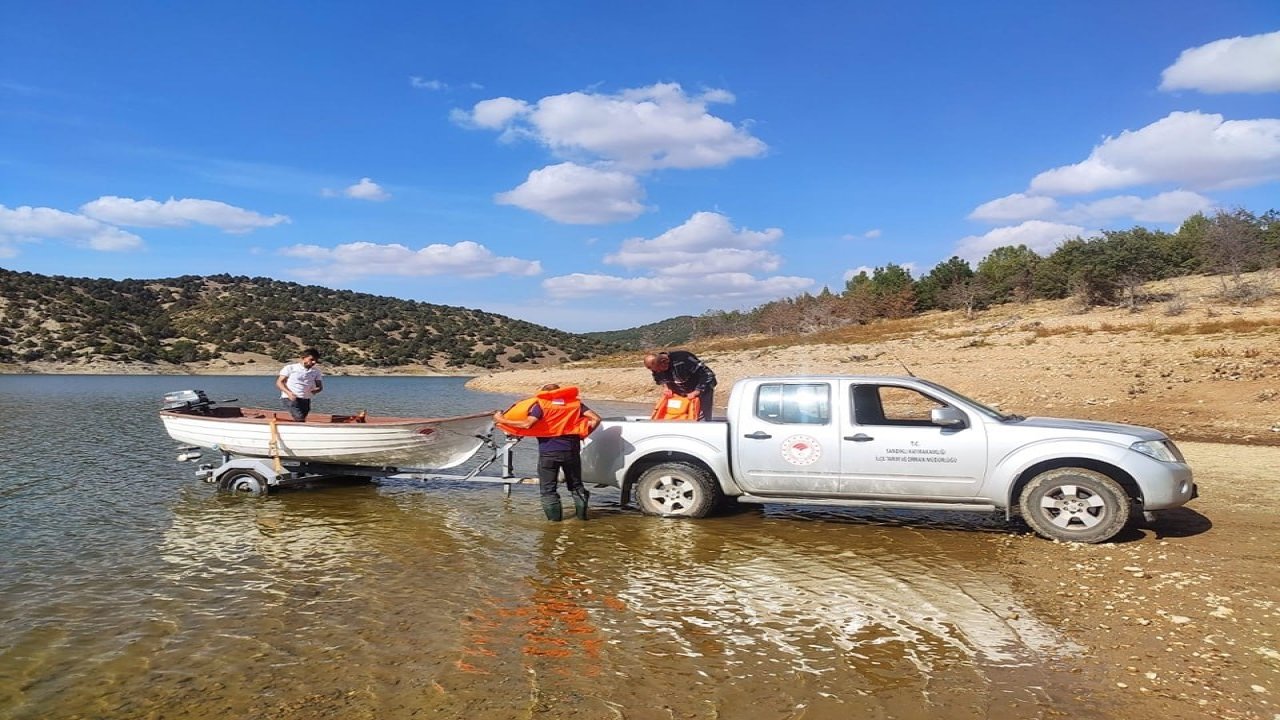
638,467
1123,478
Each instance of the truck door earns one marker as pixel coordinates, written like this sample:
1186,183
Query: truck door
786,442
891,447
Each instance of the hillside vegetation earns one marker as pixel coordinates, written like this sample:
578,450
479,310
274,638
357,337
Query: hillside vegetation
48,321
664,333
1195,359
1107,270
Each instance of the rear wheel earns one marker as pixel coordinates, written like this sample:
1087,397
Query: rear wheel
677,489
1075,505
243,482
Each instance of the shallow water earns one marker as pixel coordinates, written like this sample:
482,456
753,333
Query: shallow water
128,589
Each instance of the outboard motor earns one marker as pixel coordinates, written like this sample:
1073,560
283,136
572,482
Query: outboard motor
192,400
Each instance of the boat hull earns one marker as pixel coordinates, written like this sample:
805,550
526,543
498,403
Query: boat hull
435,443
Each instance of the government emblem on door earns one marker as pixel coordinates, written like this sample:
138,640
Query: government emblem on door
801,450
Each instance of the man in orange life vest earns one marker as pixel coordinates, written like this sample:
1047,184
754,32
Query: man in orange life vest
682,373
559,420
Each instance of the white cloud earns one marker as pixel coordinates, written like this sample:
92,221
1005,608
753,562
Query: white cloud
1239,64
28,223
706,239
705,258
177,213
1190,149
1167,207
872,234
658,126
910,267
699,263
424,84
464,259
851,274
1015,207
493,114
367,189
741,289
1038,235
571,193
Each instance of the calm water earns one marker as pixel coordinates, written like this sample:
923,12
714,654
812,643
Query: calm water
128,589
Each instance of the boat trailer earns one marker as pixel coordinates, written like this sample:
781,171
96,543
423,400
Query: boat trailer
255,476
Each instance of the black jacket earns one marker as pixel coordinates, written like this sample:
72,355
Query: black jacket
686,374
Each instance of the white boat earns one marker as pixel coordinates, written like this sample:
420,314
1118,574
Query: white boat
363,440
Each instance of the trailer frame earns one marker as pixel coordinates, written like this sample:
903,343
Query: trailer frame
258,476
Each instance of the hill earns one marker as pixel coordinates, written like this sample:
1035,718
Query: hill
665,333
224,323
1200,363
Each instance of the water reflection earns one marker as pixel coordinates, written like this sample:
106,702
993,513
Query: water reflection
131,590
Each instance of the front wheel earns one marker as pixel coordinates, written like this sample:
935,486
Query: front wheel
677,489
1075,505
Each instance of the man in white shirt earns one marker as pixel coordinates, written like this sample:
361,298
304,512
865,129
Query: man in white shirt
299,382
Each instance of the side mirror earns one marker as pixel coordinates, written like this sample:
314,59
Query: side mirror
947,417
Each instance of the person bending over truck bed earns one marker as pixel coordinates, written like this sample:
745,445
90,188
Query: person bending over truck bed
682,373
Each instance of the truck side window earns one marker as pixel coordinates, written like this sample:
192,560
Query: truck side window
794,403
892,405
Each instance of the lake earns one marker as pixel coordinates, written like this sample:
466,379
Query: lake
129,589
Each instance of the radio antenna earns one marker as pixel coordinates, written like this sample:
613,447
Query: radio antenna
904,366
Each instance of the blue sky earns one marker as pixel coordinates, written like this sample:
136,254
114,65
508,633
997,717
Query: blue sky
592,167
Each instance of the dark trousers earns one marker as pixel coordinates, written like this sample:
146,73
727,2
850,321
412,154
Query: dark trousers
298,409
707,398
551,463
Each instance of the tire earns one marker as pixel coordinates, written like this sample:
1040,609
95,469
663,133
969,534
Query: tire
677,489
243,482
1075,505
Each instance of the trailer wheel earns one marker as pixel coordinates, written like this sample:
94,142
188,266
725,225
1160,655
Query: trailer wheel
243,482
1075,505
677,489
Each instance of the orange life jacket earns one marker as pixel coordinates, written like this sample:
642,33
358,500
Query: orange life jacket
561,415
676,407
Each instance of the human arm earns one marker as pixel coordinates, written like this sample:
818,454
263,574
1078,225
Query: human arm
526,422
283,385
592,418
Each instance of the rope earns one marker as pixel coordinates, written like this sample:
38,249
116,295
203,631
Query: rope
274,445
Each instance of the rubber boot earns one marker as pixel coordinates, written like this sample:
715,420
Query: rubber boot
580,498
551,506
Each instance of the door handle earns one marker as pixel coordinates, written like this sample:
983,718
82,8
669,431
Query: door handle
860,437
758,435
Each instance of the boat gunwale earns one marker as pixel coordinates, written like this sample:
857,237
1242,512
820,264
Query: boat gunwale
263,416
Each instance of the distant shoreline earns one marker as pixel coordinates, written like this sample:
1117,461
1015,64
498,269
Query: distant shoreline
257,369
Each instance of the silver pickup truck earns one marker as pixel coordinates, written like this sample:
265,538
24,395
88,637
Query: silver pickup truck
893,442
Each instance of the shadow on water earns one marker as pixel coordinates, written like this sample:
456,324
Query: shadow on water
135,591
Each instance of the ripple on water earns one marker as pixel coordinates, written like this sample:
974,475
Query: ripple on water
132,590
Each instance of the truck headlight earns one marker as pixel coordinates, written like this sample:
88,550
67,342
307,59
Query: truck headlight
1162,450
